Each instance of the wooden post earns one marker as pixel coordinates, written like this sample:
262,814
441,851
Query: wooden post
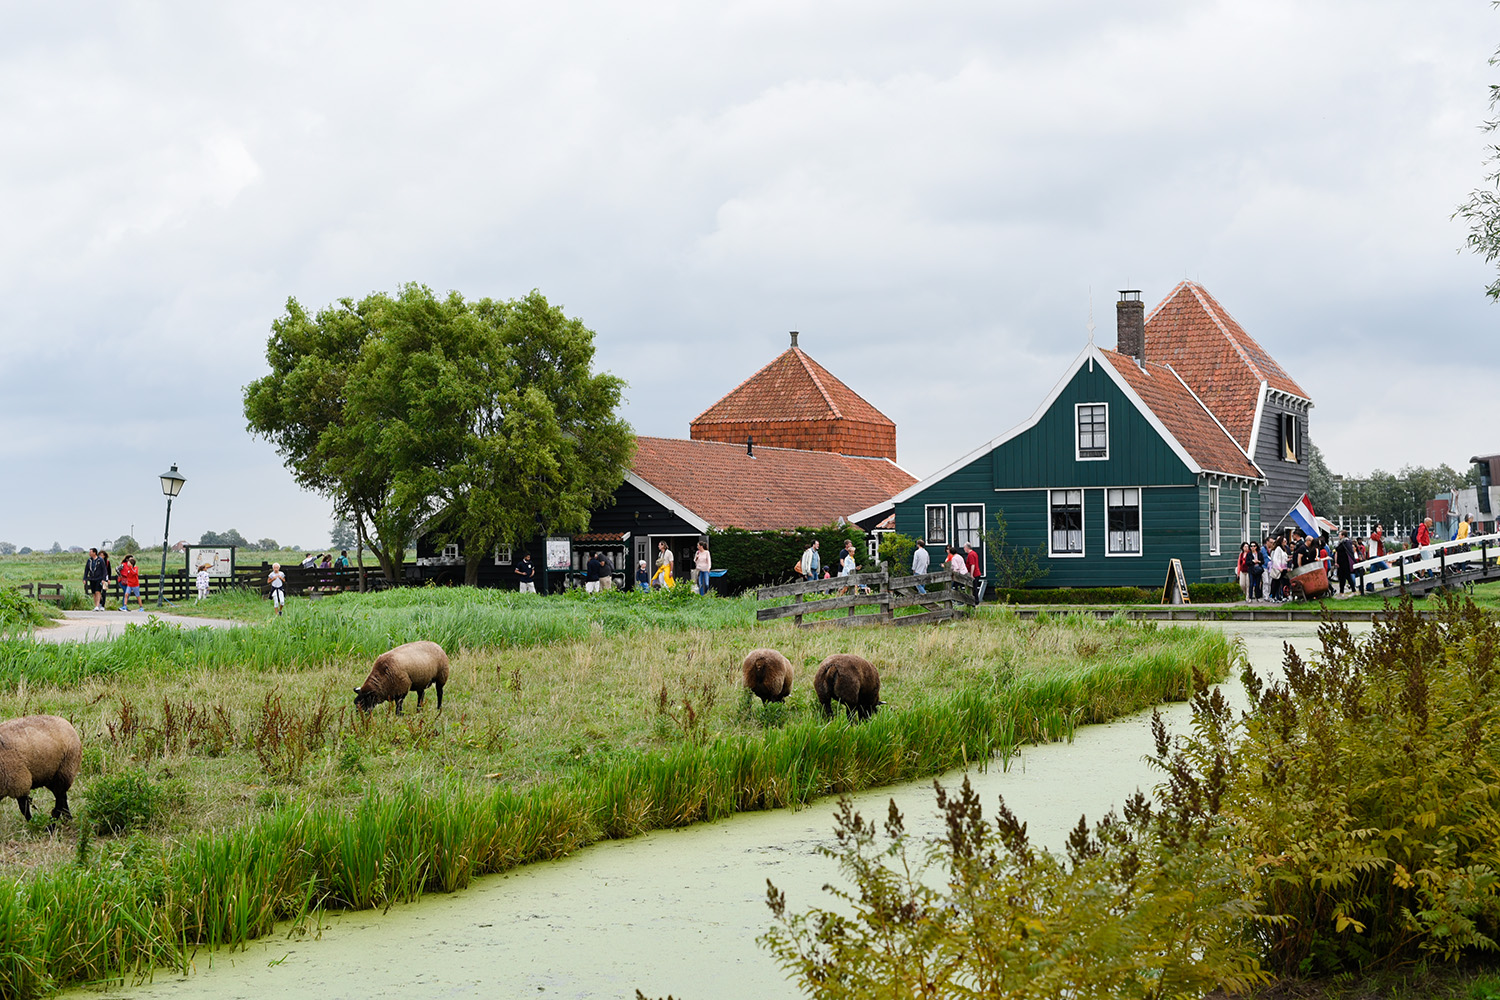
798,619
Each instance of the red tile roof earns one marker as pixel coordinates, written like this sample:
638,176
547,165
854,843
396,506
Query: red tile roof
1184,417
776,489
794,402
1222,363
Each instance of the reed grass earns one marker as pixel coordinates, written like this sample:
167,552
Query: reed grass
632,722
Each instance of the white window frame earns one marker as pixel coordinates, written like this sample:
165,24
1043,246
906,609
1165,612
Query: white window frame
1078,441
1291,431
1265,531
1244,514
1082,525
927,524
958,546
1213,520
872,546
504,555
450,552
1140,524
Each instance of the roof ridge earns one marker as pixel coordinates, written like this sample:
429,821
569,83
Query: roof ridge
1215,418
744,382
808,365
1200,293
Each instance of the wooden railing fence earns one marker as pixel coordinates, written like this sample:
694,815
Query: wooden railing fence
946,598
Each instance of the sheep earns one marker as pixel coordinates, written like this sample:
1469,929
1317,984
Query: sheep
850,680
409,667
768,674
39,751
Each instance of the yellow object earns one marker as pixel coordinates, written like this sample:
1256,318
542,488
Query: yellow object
663,576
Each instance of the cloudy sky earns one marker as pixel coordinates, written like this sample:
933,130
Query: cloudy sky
934,194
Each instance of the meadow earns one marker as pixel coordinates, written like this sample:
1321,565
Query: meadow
565,721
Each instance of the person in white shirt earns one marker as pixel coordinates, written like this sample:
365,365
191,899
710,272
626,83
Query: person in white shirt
920,560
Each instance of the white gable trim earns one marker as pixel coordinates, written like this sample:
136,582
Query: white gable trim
655,494
1260,411
1222,428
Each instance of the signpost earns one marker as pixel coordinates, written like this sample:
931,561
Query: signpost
1175,591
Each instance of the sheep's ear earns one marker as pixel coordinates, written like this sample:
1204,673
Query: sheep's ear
358,691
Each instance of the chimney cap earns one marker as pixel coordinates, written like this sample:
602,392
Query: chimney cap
1130,295
794,338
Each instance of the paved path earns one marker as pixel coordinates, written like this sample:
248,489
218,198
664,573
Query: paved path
93,626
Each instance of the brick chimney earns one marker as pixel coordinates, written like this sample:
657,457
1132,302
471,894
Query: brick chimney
1130,320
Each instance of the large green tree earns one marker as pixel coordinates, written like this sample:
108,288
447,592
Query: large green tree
485,417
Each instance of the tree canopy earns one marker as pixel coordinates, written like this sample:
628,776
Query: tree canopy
484,417
1482,210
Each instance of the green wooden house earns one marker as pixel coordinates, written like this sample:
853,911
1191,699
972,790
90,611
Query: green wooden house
1120,469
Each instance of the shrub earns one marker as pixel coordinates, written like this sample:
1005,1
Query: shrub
762,558
1368,785
121,802
18,613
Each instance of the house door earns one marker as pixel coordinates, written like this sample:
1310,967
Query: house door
968,529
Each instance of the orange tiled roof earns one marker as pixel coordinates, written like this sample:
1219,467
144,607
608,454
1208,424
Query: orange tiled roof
776,489
1183,416
1225,366
795,402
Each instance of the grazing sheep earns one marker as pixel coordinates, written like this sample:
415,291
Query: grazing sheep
406,668
768,674
850,680
39,751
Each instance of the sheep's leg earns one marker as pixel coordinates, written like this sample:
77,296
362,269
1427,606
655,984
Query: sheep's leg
24,801
439,686
420,693
60,805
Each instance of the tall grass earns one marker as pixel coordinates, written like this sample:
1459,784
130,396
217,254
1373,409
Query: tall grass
151,906
313,633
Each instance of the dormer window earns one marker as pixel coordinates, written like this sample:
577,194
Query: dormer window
1092,431
1291,438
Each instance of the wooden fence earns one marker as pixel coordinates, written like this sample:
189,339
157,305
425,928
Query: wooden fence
945,598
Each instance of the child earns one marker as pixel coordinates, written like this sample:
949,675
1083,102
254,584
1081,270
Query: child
202,580
130,579
643,576
277,580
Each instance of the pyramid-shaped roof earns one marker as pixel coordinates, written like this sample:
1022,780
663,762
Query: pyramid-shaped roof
1223,364
795,402
792,387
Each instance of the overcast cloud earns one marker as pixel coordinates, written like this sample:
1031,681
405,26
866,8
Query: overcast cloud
933,194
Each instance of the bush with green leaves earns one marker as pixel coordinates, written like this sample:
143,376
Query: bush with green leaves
121,802
764,558
19,613
1367,782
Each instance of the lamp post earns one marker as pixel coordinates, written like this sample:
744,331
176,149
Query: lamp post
171,485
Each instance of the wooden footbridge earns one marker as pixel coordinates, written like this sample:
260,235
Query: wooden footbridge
1442,565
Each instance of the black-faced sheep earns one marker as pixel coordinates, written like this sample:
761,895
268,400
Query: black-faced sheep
39,751
410,667
768,674
850,680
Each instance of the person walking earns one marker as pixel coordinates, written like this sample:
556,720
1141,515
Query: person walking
703,564
130,579
810,564
526,574
277,580
1343,560
920,559
203,580
1377,541
664,559
94,577
971,561
643,577
343,560
1242,569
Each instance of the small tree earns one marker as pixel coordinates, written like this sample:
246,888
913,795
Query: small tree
342,536
56,548
125,546
267,545
7,549
896,550
1011,565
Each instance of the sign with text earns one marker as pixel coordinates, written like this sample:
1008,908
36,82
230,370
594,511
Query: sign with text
218,558
560,553
1175,591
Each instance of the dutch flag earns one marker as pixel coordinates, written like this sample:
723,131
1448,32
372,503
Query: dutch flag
1302,513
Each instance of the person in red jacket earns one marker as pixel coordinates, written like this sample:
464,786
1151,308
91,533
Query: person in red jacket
130,579
971,561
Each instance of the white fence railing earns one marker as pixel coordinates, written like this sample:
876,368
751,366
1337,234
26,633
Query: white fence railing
1440,559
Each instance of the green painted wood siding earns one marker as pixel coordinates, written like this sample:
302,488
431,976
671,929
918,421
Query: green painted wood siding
1045,455
1015,478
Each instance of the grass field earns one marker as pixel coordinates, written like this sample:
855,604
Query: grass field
565,720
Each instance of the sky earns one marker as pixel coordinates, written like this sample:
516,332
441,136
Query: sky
938,196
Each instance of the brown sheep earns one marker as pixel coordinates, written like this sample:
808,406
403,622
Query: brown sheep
850,680
768,674
410,667
39,751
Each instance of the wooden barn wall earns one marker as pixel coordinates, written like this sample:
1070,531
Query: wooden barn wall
1285,481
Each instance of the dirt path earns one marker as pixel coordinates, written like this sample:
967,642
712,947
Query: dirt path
95,626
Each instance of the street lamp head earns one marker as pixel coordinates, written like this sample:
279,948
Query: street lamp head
171,481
